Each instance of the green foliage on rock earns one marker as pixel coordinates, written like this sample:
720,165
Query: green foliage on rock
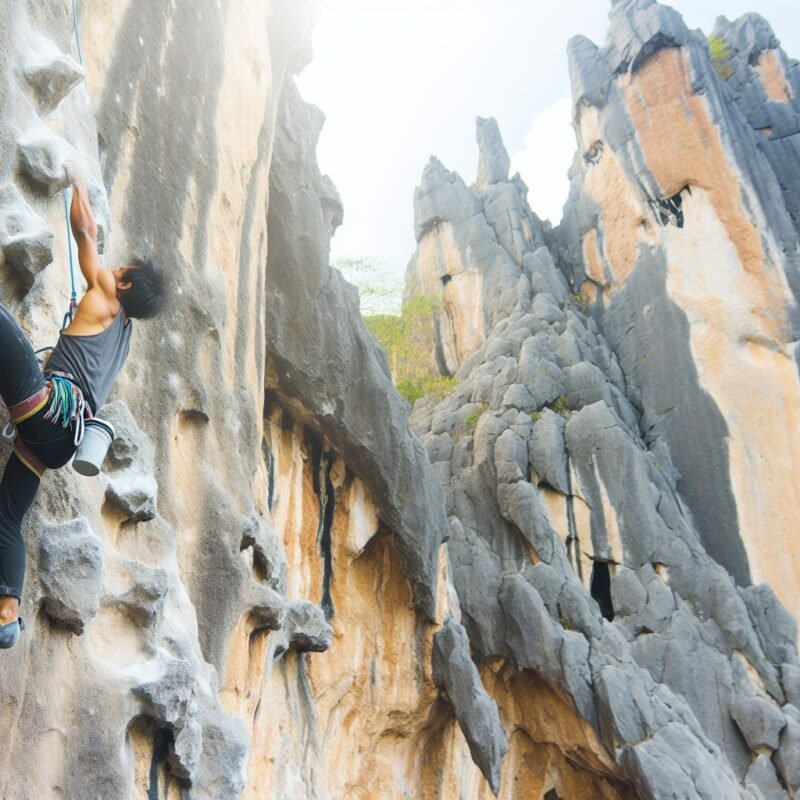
720,57
581,300
414,389
408,343
560,406
471,422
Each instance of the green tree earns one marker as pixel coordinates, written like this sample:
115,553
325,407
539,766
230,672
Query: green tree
408,341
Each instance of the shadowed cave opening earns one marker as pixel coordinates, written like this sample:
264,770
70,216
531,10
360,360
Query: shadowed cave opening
157,774
600,588
670,209
160,752
323,487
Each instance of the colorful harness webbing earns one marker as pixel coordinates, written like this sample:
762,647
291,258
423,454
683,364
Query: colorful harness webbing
29,458
67,404
27,408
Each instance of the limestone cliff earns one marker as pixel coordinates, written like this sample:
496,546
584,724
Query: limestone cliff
619,454
558,584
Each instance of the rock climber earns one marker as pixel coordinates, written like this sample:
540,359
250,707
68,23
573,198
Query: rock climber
47,406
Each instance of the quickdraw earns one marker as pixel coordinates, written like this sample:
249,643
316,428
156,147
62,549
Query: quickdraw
67,405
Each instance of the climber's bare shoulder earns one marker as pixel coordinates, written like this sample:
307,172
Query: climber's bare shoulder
95,312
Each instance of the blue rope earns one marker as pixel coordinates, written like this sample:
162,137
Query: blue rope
77,34
73,299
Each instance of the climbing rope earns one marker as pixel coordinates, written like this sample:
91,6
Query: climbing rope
77,32
73,298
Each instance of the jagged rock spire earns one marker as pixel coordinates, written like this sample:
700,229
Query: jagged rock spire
494,161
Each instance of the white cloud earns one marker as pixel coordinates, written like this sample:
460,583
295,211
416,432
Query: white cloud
546,157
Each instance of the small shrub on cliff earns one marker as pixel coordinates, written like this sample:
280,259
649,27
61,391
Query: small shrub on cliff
408,343
720,57
471,422
414,389
581,300
560,406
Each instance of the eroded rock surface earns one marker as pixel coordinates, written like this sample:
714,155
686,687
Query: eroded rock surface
572,577
608,487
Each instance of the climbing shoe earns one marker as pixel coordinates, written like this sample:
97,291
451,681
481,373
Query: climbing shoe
10,633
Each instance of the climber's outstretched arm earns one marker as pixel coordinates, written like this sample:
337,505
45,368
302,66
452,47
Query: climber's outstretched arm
84,229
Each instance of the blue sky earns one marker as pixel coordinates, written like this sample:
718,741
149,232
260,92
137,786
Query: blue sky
400,80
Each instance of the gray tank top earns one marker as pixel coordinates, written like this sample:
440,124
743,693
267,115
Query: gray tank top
93,361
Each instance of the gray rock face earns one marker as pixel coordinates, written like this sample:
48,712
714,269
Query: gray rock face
762,781
71,574
25,239
759,721
579,500
597,612
42,160
130,466
494,161
364,420
170,567
457,676
53,76
306,628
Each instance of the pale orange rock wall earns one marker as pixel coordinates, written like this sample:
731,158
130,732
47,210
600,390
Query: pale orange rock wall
724,271
364,720
461,321
773,77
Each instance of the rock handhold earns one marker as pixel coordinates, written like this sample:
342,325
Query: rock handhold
165,698
762,781
130,466
787,757
456,675
760,722
185,749
222,765
71,573
144,601
53,76
269,559
26,240
42,158
306,627
266,607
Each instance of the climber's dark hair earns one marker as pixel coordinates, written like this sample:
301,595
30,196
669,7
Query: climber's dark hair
146,295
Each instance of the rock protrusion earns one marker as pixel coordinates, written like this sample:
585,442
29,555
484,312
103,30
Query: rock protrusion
26,240
306,627
71,573
53,76
42,158
494,162
129,468
456,675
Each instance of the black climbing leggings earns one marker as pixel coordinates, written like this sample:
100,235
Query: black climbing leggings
20,378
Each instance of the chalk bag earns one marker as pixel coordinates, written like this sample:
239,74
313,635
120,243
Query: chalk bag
97,438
